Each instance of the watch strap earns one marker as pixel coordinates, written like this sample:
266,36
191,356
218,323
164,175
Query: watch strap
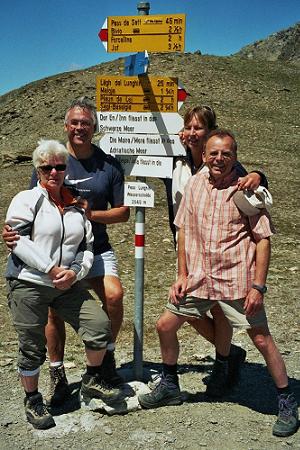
260,288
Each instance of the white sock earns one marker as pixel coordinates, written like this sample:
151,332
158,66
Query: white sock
28,373
56,363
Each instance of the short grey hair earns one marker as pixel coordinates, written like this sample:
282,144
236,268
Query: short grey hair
46,149
83,103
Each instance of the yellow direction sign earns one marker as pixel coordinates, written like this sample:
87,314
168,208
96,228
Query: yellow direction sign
154,33
120,93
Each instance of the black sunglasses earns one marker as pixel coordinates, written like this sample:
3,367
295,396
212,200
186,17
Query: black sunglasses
58,168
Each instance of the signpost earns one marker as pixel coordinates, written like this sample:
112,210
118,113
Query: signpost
144,122
138,194
140,113
136,64
147,166
142,144
139,94
156,33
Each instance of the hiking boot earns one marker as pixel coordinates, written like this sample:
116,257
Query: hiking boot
58,390
166,393
37,414
236,359
95,387
287,420
217,383
109,371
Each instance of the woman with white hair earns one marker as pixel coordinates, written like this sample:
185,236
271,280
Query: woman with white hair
44,270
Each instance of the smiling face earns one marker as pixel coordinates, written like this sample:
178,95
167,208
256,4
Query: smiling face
79,126
194,133
219,156
51,173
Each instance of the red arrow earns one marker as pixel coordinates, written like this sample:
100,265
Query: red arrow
103,35
182,94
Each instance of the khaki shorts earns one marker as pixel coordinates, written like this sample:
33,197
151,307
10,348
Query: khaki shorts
29,303
233,311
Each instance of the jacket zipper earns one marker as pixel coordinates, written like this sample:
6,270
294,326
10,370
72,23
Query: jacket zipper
62,239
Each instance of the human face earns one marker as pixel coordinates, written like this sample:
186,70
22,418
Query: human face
52,179
219,156
194,133
79,126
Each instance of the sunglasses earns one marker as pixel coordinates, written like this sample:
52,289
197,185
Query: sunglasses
58,168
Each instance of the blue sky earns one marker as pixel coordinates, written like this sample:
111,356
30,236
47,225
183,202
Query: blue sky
39,38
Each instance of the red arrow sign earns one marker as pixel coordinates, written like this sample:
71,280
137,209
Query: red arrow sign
103,34
181,94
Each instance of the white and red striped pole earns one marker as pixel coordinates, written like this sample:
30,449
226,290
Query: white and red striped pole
140,213
139,291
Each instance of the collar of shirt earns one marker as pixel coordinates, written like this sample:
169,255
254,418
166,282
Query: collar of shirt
224,182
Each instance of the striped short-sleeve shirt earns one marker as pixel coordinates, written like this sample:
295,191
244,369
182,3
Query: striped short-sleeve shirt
220,242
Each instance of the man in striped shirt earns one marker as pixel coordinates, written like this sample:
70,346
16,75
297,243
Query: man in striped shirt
223,256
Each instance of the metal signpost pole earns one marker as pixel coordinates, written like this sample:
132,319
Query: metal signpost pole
144,110
143,9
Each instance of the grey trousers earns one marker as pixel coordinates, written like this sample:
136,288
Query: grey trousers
29,302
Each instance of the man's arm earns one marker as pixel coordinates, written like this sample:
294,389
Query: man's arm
254,299
10,237
114,215
117,214
178,289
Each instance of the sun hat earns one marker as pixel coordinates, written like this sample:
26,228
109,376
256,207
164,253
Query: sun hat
251,202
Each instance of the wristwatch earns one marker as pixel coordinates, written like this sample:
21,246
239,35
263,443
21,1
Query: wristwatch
262,289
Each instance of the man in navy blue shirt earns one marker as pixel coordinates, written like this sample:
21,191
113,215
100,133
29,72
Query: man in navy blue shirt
98,181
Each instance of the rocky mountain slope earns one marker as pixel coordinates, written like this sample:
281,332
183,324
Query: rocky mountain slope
281,46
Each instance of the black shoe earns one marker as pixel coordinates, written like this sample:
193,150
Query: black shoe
58,390
287,420
37,414
166,393
217,384
109,371
236,359
96,387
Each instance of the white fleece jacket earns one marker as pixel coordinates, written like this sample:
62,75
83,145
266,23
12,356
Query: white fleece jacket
54,239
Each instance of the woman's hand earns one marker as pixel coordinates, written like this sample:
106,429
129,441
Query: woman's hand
62,278
250,182
181,137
